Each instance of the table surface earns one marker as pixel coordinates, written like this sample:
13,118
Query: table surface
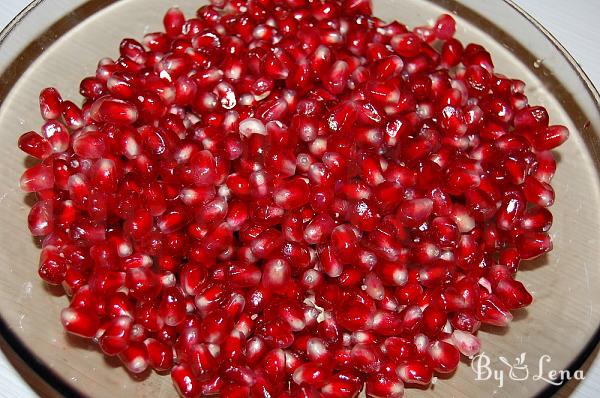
573,23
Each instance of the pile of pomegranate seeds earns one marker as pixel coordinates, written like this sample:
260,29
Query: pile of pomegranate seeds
291,198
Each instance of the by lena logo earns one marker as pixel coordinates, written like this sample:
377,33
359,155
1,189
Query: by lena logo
518,370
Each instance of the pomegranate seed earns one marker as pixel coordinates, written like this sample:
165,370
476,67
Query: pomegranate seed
35,145
89,144
57,135
533,244
434,320
172,306
406,44
512,293
276,274
160,355
202,360
50,103
414,212
311,374
80,321
173,22
382,385
493,312
40,218
444,27
113,110
366,358
443,357
318,229
414,372
537,218
468,344
538,192
185,382
116,336
550,138
37,178
291,194
546,167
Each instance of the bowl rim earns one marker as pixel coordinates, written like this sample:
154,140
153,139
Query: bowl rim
62,387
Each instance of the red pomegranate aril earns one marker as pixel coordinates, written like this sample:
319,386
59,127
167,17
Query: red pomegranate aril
142,283
465,321
255,350
493,312
339,389
366,358
538,192
212,386
72,115
243,275
119,304
512,293
107,109
116,336
40,219
35,145
57,135
50,103
216,327
89,144
451,53
160,355
172,306
399,348
468,344
232,348
415,372
266,243
186,384
414,212
318,229
381,385
550,138
406,44
172,220
273,364
139,225
534,117
173,22
311,374
52,266
79,190
276,274
331,263
291,194
434,320
91,88
37,178
533,244
443,357
201,360
546,167
104,175
537,218
80,321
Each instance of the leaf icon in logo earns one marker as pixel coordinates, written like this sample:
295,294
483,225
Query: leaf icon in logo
517,371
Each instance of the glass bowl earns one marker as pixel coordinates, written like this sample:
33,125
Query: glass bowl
57,43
